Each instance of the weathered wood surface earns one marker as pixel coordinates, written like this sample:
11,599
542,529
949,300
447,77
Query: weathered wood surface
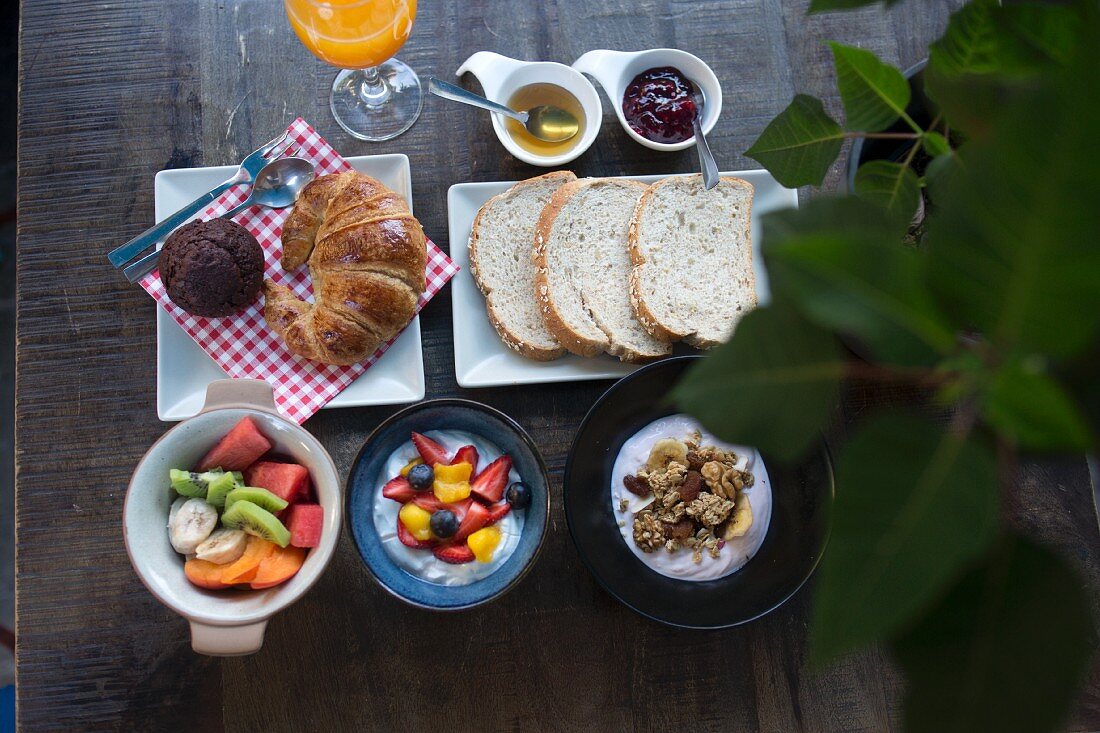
113,91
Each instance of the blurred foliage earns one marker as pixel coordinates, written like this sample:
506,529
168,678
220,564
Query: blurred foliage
992,310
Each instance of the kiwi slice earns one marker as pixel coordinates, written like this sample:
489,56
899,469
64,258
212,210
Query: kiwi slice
191,484
260,497
256,521
220,488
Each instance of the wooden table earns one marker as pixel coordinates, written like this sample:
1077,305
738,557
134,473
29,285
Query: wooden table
112,92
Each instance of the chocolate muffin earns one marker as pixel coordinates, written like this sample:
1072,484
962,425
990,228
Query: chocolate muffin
212,268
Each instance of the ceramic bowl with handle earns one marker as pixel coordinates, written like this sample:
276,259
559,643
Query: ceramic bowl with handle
614,70
223,622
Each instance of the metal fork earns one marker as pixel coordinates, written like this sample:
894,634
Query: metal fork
246,173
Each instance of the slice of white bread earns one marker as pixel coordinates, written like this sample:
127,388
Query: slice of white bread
692,250
582,270
501,241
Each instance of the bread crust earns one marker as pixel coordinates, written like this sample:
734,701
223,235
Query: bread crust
510,339
573,341
648,319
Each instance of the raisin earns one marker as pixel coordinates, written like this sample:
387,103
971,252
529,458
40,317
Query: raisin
636,485
679,530
693,484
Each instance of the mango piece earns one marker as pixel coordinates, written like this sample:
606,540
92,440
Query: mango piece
416,520
453,474
408,466
483,543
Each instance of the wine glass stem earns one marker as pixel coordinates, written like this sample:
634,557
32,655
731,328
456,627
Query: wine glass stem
373,89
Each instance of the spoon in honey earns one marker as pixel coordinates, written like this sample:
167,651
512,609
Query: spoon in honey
545,122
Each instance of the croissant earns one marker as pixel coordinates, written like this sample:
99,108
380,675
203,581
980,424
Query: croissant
366,255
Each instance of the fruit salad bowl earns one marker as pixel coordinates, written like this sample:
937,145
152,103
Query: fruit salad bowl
225,622
447,504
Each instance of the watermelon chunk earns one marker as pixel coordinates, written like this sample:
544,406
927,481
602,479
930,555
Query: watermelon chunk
288,481
304,522
239,449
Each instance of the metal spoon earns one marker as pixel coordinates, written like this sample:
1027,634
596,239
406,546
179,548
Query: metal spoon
545,122
277,186
706,159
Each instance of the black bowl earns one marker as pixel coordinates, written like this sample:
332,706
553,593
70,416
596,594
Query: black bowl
799,527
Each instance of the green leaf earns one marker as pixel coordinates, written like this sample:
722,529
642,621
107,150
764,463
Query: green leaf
1005,650
970,43
892,186
800,144
1033,411
772,385
847,271
935,144
822,6
875,94
988,49
1013,239
914,505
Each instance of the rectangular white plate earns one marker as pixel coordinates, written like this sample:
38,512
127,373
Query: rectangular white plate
482,359
184,370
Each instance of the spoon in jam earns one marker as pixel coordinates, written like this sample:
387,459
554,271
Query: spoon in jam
545,122
706,159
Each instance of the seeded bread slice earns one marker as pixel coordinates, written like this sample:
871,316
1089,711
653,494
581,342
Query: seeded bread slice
582,270
501,243
692,251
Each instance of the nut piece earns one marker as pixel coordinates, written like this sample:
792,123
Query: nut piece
709,510
636,485
693,484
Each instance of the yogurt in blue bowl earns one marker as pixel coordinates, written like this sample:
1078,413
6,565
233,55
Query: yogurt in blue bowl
431,571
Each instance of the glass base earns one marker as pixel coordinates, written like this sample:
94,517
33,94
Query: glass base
379,103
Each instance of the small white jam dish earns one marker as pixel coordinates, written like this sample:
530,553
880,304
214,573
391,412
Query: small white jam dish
224,622
503,79
615,70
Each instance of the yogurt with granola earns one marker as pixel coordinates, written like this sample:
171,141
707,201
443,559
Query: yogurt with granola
688,505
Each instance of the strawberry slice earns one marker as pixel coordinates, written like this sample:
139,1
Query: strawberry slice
497,512
408,540
429,450
399,489
456,554
466,454
477,516
489,485
426,500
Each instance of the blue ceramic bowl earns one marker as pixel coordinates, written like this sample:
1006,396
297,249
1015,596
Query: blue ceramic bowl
364,484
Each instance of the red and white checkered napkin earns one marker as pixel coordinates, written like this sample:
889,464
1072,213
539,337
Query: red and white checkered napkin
243,345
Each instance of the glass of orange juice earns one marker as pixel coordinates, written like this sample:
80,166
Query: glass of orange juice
375,96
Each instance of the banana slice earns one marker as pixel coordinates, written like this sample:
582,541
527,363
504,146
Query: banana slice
191,524
223,546
174,509
741,519
665,450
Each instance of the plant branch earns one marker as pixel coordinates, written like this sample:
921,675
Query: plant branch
894,373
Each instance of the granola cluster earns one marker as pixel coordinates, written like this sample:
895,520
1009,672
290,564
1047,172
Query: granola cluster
698,500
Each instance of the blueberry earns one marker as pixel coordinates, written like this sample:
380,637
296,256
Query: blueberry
421,476
519,495
444,524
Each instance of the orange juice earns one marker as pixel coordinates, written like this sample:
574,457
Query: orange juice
352,34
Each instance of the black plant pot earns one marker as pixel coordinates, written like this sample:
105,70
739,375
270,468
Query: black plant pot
864,150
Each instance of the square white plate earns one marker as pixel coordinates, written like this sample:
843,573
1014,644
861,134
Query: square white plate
184,370
482,359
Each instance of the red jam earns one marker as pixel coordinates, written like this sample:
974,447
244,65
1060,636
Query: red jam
658,106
